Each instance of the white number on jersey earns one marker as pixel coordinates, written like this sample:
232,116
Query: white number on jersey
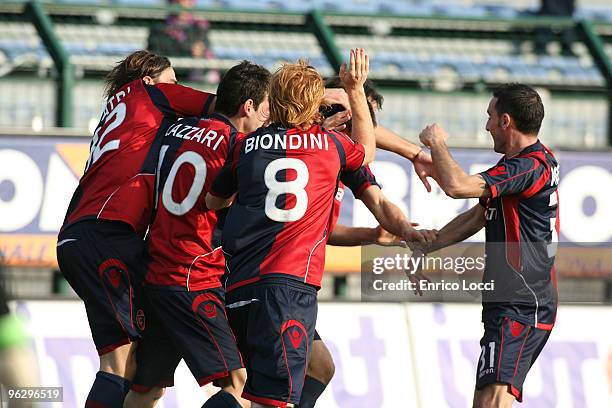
197,184
295,187
554,241
114,119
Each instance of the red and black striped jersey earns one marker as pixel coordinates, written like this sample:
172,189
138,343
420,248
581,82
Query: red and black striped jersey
357,181
286,181
119,175
180,239
522,230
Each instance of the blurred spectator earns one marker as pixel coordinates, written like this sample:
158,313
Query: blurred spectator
555,8
184,35
18,367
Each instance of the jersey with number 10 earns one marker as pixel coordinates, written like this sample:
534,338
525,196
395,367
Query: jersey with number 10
119,175
181,235
286,180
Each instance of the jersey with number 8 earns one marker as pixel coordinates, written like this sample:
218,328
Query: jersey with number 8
286,180
120,171
181,234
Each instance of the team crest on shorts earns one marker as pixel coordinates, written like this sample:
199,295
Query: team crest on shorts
295,331
140,319
210,310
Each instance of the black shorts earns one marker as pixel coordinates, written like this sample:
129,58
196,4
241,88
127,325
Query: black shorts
103,262
188,325
274,322
509,349
316,335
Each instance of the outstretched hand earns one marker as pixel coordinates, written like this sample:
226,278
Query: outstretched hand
423,167
337,121
356,74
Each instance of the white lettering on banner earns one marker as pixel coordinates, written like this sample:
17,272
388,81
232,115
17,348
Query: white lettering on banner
447,340
386,355
579,184
23,174
435,209
394,181
59,186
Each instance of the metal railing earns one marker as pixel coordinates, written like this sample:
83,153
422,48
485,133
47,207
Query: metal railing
321,24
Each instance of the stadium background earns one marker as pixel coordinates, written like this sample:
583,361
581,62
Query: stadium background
434,60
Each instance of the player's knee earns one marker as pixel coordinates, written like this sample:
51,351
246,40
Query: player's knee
120,361
146,399
321,365
493,396
233,383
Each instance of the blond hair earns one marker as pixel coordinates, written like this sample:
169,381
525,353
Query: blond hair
296,93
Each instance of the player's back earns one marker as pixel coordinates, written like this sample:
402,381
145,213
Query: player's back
120,171
181,235
286,182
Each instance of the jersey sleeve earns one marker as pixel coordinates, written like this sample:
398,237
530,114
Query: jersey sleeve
359,180
226,182
183,101
354,153
519,175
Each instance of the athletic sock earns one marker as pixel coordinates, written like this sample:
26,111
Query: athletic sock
108,391
311,391
222,399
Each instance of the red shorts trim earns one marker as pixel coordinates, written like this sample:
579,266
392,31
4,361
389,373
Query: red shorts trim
264,400
517,394
141,389
203,381
242,283
92,404
544,326
108,349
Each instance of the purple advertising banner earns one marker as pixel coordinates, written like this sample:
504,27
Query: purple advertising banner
386,355
39,174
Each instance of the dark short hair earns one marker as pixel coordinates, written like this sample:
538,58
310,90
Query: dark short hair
370,91
369,88
523,104
138,64
242,82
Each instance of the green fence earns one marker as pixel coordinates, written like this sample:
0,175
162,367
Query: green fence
324,26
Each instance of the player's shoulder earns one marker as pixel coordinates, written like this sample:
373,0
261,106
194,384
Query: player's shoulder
537,154
338,135
217,121
271,129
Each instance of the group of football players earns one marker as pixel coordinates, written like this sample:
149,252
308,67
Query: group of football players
199,227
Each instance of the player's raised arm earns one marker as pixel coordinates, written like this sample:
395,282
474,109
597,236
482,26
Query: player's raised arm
392,218
458,229
343,235
353,78
183,101
388,140
455,182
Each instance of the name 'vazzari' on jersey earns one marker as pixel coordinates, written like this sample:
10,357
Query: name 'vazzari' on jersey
184,131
